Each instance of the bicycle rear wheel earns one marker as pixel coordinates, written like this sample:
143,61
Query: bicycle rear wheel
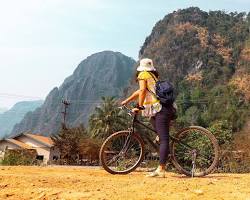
195,151
122,152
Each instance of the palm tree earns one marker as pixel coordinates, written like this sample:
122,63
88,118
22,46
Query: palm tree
107,119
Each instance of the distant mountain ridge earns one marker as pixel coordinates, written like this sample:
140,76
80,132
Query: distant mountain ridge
14,115
105,73
2,110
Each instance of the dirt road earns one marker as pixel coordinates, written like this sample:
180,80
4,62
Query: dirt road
72,183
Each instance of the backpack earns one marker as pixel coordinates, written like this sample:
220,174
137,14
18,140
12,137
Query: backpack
164,91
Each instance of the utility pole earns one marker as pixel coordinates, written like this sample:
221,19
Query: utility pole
64,113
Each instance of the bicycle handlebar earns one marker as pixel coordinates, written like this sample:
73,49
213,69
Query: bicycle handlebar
130,112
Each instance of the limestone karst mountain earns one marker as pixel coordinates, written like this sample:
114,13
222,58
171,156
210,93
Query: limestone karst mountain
102,74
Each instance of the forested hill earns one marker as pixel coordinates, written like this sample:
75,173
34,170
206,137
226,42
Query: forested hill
207,57
102,74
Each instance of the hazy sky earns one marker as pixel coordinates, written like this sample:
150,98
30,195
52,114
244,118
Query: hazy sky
43,41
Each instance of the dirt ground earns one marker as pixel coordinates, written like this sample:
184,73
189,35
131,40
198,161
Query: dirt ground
72,183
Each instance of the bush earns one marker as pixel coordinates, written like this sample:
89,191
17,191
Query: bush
89,149
19,157
76,147
222,130
234,162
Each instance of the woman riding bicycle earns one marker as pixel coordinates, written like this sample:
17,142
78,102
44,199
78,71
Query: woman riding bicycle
160,114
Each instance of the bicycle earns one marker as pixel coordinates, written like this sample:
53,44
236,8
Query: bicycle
194,151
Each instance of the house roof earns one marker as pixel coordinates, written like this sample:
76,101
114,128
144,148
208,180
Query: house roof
42,139
20,144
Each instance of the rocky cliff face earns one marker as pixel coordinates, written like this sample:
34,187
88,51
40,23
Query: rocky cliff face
101,74
193,42
9,118
206,56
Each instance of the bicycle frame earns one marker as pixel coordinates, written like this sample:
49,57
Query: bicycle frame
135,120
172,138
121,157
193,152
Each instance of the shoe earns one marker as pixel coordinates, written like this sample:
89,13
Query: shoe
157,173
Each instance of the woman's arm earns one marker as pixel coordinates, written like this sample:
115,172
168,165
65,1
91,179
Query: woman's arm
141,93
131,98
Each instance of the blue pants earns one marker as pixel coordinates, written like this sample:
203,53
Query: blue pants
161,123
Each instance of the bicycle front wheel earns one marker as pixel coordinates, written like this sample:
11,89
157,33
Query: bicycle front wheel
122,152
195,151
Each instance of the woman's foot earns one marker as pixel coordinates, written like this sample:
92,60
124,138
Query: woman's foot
159,172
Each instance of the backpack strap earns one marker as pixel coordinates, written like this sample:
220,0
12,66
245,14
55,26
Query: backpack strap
153,76
155,79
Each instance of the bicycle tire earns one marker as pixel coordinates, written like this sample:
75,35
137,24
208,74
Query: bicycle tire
116,135
214,144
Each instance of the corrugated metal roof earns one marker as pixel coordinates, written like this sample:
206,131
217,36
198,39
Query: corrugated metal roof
42,139
20,144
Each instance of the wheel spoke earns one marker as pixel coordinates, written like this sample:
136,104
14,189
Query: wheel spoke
122,152
195,151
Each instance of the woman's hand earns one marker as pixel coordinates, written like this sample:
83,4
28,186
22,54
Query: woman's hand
124,102
135,110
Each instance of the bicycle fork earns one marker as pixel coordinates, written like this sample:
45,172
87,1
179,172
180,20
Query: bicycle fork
123,150
126,144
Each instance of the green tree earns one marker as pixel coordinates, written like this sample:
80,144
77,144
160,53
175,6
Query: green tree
192,115
222,130
107,119
68,142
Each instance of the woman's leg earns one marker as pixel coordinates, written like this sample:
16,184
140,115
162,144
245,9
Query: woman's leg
162,122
